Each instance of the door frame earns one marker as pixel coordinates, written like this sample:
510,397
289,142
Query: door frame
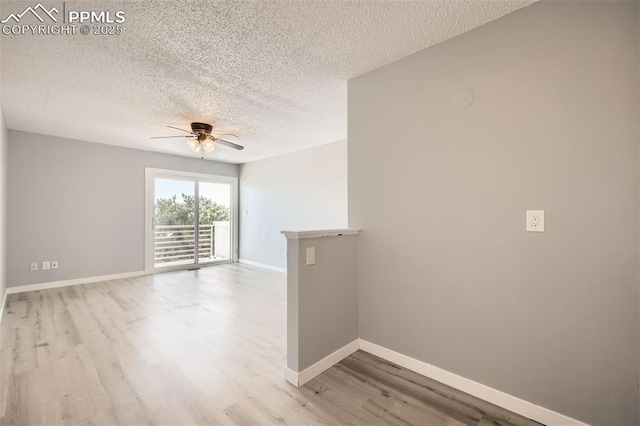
149,209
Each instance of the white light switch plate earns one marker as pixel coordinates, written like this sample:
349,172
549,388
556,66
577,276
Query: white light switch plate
46,265
535,220
311,255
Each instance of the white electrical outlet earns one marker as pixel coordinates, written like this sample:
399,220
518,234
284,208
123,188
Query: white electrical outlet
535,220
34,266
311,256
54,264
46,265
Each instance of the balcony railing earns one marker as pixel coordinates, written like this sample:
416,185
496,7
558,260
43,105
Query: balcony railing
175,244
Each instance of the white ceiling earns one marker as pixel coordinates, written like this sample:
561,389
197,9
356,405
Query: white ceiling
274,72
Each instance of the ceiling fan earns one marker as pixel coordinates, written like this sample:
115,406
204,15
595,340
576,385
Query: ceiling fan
201,139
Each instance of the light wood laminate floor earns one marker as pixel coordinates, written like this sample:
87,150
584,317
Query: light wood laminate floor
196,347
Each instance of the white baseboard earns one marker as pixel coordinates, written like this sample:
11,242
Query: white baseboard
262,265
494,396
291,376
75,281
299,379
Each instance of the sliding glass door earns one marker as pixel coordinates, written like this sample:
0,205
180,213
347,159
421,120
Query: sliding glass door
191,219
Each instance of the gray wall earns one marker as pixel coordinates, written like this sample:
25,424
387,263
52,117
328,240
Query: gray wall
3,206
322,299
302,190
81,204
447,273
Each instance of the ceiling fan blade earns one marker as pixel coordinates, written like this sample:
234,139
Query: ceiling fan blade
230,144
229,134
162,137
177,128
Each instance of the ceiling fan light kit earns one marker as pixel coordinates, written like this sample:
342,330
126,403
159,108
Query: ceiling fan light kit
196,145
201,139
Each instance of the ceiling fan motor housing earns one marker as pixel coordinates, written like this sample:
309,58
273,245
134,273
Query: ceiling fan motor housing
201,127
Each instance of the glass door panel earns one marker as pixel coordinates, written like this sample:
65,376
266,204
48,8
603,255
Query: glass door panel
215,229
174,224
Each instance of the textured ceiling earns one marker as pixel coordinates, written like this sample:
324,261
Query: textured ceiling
274,72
